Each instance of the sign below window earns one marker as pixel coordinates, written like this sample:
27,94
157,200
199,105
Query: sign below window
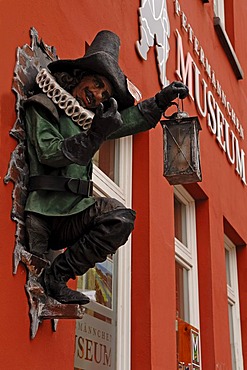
94,345
188,346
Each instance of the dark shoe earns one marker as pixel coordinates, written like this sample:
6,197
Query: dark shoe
58,290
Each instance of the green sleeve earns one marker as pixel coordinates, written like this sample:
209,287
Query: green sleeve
133,122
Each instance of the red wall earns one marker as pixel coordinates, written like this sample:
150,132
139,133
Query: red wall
221,196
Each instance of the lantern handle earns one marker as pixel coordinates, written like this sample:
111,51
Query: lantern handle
174,114
179,114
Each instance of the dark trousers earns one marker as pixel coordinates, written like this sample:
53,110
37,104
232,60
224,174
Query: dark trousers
88,236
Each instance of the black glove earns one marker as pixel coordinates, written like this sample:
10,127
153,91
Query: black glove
105,123
81,148
169,93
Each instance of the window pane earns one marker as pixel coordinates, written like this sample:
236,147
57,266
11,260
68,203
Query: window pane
228,272
233,306
231,328
107,159
98,282
182,293
180,221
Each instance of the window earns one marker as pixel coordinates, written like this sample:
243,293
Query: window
107,159
223,9
103,335
187,301
233,305
186,256
224,27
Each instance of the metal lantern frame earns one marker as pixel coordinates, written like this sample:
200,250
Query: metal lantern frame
181,148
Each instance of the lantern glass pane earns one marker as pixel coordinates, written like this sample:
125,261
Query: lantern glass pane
179,153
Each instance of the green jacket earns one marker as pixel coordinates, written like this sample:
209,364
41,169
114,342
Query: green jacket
45,134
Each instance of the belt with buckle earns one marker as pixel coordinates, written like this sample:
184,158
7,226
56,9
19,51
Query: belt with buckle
61,183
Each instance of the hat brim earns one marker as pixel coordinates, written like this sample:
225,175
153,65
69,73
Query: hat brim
103,64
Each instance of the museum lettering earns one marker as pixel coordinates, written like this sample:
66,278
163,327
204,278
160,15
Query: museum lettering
207,106
92,351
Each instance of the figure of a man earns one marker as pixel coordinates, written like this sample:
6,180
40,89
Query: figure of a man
61,212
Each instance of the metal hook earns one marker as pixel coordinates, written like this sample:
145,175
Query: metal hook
180,112
174,114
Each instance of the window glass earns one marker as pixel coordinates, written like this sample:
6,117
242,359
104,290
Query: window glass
98,282
231,328
107,159
180,221
182,293
233,305
228,272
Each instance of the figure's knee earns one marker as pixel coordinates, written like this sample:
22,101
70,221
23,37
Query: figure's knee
122,225
106,205
113,206
128,217
116,225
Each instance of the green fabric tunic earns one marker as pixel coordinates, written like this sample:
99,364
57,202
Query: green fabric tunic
45,135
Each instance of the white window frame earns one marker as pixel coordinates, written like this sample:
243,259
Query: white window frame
233,300
219,10
220,28
187,255
122,192
104,186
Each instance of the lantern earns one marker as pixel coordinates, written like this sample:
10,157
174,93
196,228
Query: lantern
181,148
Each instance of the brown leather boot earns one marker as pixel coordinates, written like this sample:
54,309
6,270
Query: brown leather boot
57,289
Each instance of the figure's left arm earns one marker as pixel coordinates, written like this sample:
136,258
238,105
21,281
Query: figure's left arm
147,114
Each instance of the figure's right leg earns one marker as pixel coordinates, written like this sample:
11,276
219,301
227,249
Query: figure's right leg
90,235
38,231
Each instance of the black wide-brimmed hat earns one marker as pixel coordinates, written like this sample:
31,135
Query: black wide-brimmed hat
101,58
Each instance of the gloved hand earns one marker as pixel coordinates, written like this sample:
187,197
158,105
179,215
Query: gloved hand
105,123
81,148
169,93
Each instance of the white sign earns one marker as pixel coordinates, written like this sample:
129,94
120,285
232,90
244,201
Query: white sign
94,344
155,30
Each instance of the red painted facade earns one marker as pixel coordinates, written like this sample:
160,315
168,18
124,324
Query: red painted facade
221,197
